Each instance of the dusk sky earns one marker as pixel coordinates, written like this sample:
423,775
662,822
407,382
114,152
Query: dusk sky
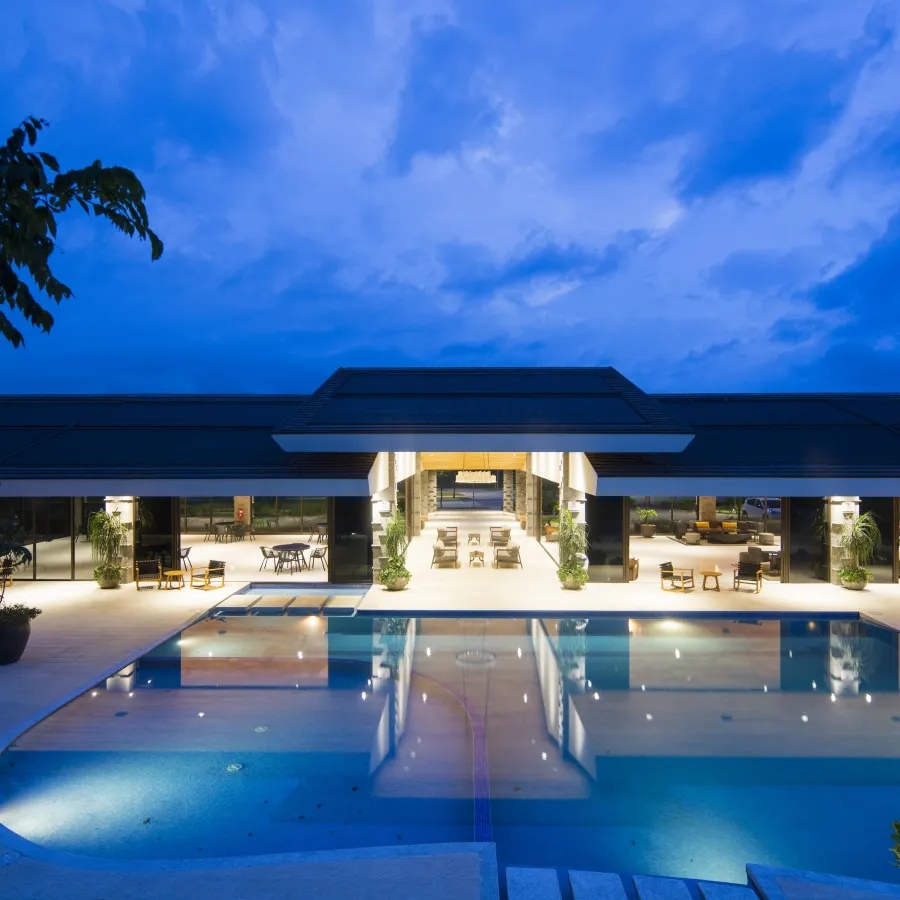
703,195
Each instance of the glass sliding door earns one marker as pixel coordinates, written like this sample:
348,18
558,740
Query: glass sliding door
17,533
53,538
809,553
83,508
882,510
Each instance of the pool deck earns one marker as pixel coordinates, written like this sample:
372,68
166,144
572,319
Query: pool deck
83,632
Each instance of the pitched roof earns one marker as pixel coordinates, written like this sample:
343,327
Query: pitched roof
158,436
511,402
774,435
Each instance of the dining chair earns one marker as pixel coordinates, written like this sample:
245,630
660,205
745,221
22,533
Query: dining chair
185,558
318,553
268,553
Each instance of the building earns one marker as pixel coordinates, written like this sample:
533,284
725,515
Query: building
330,466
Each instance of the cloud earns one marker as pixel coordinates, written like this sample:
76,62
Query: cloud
671,188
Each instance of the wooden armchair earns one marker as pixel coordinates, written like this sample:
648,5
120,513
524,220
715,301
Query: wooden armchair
443,554
679,578
748,573
507,553
147,570
203,576
448,536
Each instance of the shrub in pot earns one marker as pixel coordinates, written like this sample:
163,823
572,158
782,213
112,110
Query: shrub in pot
108,534
854,578
646,516
394,575
15,629
859,539
572,575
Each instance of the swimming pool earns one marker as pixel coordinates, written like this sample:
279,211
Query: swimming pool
663,746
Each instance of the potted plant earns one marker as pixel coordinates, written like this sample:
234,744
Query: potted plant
394,575
108,534
572,575
15,622
572,552
859,539
646,516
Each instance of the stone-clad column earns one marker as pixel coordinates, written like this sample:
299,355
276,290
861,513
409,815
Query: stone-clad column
432,491
509,499
520,494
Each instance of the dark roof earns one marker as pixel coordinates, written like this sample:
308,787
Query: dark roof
774,435
472,401
158,436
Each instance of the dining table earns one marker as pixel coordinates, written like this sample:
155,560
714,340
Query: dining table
297,549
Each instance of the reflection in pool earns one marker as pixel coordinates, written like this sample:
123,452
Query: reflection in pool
673,747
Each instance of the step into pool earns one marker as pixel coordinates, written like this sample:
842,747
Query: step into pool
682,747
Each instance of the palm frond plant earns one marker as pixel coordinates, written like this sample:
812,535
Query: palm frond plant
394,575
108,535
860,538
572,550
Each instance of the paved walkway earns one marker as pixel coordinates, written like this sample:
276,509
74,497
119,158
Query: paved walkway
81,633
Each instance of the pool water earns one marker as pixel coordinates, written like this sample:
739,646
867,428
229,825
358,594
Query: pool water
672,747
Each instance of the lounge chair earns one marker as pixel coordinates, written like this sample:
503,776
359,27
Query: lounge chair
147,570
679,578
203,576
443,554
500,535
507,553
748,573
448,536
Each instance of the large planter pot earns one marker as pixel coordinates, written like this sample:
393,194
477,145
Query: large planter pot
854,585
13,639
572,584
648,531
108,583
398,584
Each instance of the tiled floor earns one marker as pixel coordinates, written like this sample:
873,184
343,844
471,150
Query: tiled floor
243,558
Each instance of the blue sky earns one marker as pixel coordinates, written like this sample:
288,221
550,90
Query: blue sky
706,196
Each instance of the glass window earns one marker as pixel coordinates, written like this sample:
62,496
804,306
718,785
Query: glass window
606,537
351,540
265,514
153,532
290,515
17,532
808,540
882,509
53,537
82,508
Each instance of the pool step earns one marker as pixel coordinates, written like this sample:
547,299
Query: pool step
596,886
725,892
651,887
543,884
532,884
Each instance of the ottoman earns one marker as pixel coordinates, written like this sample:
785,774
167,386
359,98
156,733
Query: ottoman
692,537
766,537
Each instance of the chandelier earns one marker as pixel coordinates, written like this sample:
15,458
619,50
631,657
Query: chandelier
476,478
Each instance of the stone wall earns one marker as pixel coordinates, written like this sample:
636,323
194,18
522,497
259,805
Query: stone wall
509,496
707,508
